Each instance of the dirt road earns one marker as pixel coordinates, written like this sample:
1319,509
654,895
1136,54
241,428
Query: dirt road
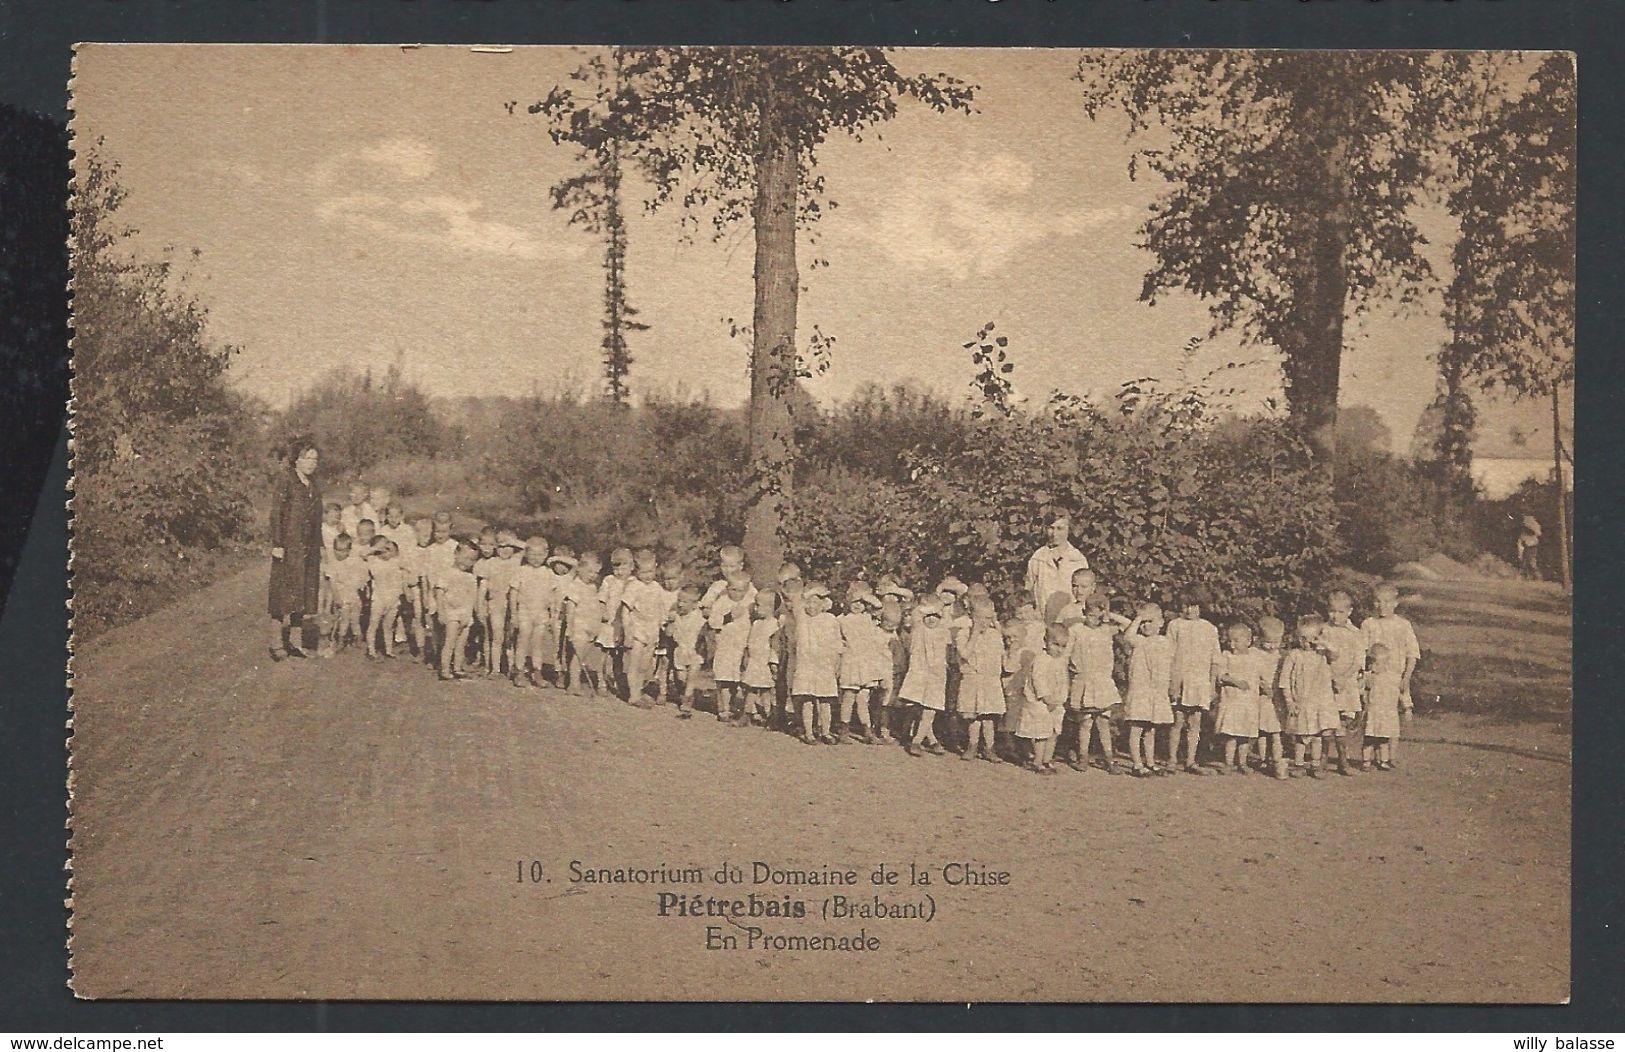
346,829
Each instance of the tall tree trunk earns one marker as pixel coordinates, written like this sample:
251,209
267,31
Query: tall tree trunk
773,344
1314,364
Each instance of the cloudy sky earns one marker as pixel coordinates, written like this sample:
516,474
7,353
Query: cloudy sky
361,205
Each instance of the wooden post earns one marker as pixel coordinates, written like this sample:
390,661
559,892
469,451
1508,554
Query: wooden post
1564,573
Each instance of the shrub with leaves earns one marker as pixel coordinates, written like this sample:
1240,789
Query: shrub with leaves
1162,496
358,420
164,451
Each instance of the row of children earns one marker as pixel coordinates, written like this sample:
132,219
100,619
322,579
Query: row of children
890,661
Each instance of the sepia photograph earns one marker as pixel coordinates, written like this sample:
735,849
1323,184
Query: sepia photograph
959,525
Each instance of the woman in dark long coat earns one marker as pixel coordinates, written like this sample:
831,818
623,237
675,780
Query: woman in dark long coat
296,548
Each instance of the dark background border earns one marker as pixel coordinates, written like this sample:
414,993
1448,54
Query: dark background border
35,41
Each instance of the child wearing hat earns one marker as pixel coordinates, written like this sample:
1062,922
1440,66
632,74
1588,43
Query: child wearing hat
981,682
582,615
1194,678
730,623
925,685
562,565
533,594
815,682
865,664
759,673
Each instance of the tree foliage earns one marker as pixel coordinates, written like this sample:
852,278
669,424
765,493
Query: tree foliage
358,420
593,199
1290,179
165,454
734,133
1511,302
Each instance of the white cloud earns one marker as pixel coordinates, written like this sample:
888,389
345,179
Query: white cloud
443,221
411,159
390,192
975,218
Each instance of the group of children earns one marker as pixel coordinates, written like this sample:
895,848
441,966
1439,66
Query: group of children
933,671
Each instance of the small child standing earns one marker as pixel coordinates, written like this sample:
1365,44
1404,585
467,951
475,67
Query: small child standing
981,680
1241,679
1390,627
731,559
951,594
1345,649
760,667
388,583
583,615
347,578
612,630
1381,708
1271,703
433,564
730,622
866,665
455,595
562,565
1044,694
1094,692
496,575
925,686
684,625
1195,642
1306,687
894,631
534,596
330,533
644,606
816,682
1148,703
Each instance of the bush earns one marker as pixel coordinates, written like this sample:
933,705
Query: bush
844,525
165,454
1392,510
1161,498
359,422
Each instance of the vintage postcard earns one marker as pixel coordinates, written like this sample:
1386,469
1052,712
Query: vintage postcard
959,525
